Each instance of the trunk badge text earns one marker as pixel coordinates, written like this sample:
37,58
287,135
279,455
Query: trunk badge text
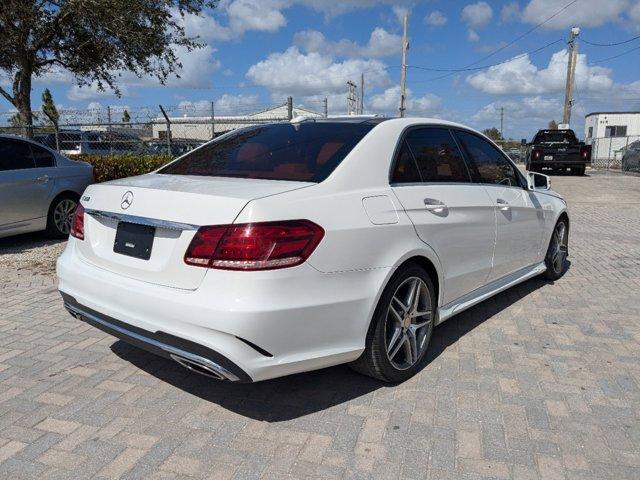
127,200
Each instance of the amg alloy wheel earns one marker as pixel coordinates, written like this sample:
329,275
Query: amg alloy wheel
556,259
401,327
407,324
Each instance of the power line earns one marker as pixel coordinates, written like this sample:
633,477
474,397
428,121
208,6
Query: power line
453,70
615,56
535,27
609,44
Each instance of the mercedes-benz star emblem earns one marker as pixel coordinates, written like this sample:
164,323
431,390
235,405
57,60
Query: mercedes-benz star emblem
127,200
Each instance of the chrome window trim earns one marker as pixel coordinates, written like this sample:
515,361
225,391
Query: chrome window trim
151,222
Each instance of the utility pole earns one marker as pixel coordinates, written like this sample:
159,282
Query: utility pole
213,120
352,98
361,93
501,123
403,73
289,108
326,107
571,75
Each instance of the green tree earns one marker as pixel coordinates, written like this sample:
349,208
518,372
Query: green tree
553,125
51,112
94,40
493,133
49,108
126,118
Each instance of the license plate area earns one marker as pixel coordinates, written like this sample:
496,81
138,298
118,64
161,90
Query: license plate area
548,157
134,240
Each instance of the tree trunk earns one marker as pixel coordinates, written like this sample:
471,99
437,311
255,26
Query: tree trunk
22,99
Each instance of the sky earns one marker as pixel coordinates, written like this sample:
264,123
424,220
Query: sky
258,52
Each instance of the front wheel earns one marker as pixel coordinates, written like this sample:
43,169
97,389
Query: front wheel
401,327
558,251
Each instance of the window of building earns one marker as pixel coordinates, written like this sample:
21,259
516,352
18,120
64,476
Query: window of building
615,131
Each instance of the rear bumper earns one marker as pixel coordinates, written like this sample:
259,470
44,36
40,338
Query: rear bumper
160,343
256,325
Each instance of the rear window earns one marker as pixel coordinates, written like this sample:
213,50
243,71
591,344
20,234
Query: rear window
306,152
555,136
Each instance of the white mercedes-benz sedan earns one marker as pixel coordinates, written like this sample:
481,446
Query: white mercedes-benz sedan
289,247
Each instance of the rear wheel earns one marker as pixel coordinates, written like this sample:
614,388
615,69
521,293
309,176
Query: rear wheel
60,215
558,251
401,328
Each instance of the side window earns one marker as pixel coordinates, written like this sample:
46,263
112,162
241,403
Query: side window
405,170
15,155
437,155
487,163
42,158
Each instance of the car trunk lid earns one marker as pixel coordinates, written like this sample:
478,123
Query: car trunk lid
172,207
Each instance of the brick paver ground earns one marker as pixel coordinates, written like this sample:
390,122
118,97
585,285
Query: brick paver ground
541,382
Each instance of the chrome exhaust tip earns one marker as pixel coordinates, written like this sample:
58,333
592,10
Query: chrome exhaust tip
210,370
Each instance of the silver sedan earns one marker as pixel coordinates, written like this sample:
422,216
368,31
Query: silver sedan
39,188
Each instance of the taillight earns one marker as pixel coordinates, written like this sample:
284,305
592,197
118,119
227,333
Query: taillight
77,226
254,246
585,152
537,153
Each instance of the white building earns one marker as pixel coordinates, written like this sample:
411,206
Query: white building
609,133
205,128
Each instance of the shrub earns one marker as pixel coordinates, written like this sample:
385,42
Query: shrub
112,167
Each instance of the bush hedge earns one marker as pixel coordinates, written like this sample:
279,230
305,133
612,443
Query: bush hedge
112,167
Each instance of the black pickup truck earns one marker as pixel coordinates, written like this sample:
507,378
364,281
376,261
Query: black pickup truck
558,150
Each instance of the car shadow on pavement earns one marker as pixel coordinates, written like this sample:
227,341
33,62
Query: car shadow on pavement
27,241
298,395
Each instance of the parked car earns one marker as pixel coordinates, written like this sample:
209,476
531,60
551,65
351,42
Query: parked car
284,248
558,150
39,188
631,157
92,142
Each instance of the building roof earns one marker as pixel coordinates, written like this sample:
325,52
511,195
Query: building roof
611,113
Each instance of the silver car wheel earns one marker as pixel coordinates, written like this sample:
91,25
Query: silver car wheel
408,323
63,215
559,248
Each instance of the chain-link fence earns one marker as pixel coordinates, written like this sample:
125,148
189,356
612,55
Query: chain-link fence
620,153
147,130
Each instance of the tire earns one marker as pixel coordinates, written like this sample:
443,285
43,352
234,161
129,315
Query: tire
397,340
558,251
578,171
60,215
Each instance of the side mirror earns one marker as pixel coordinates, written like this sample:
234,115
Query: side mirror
538,181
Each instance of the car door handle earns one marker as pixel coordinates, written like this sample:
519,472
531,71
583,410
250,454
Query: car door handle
434,205
42,179
502,204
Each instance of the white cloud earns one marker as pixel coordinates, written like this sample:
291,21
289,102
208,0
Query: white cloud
473,36
511,11
520,76
389,101
400,12
634,14
294,73
435,19
477,15
91,92
225,105
585,13
535,108
381,44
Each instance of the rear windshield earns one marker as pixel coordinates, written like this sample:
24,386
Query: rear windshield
306,152
555,136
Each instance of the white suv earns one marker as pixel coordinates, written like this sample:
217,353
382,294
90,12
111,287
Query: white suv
283,248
